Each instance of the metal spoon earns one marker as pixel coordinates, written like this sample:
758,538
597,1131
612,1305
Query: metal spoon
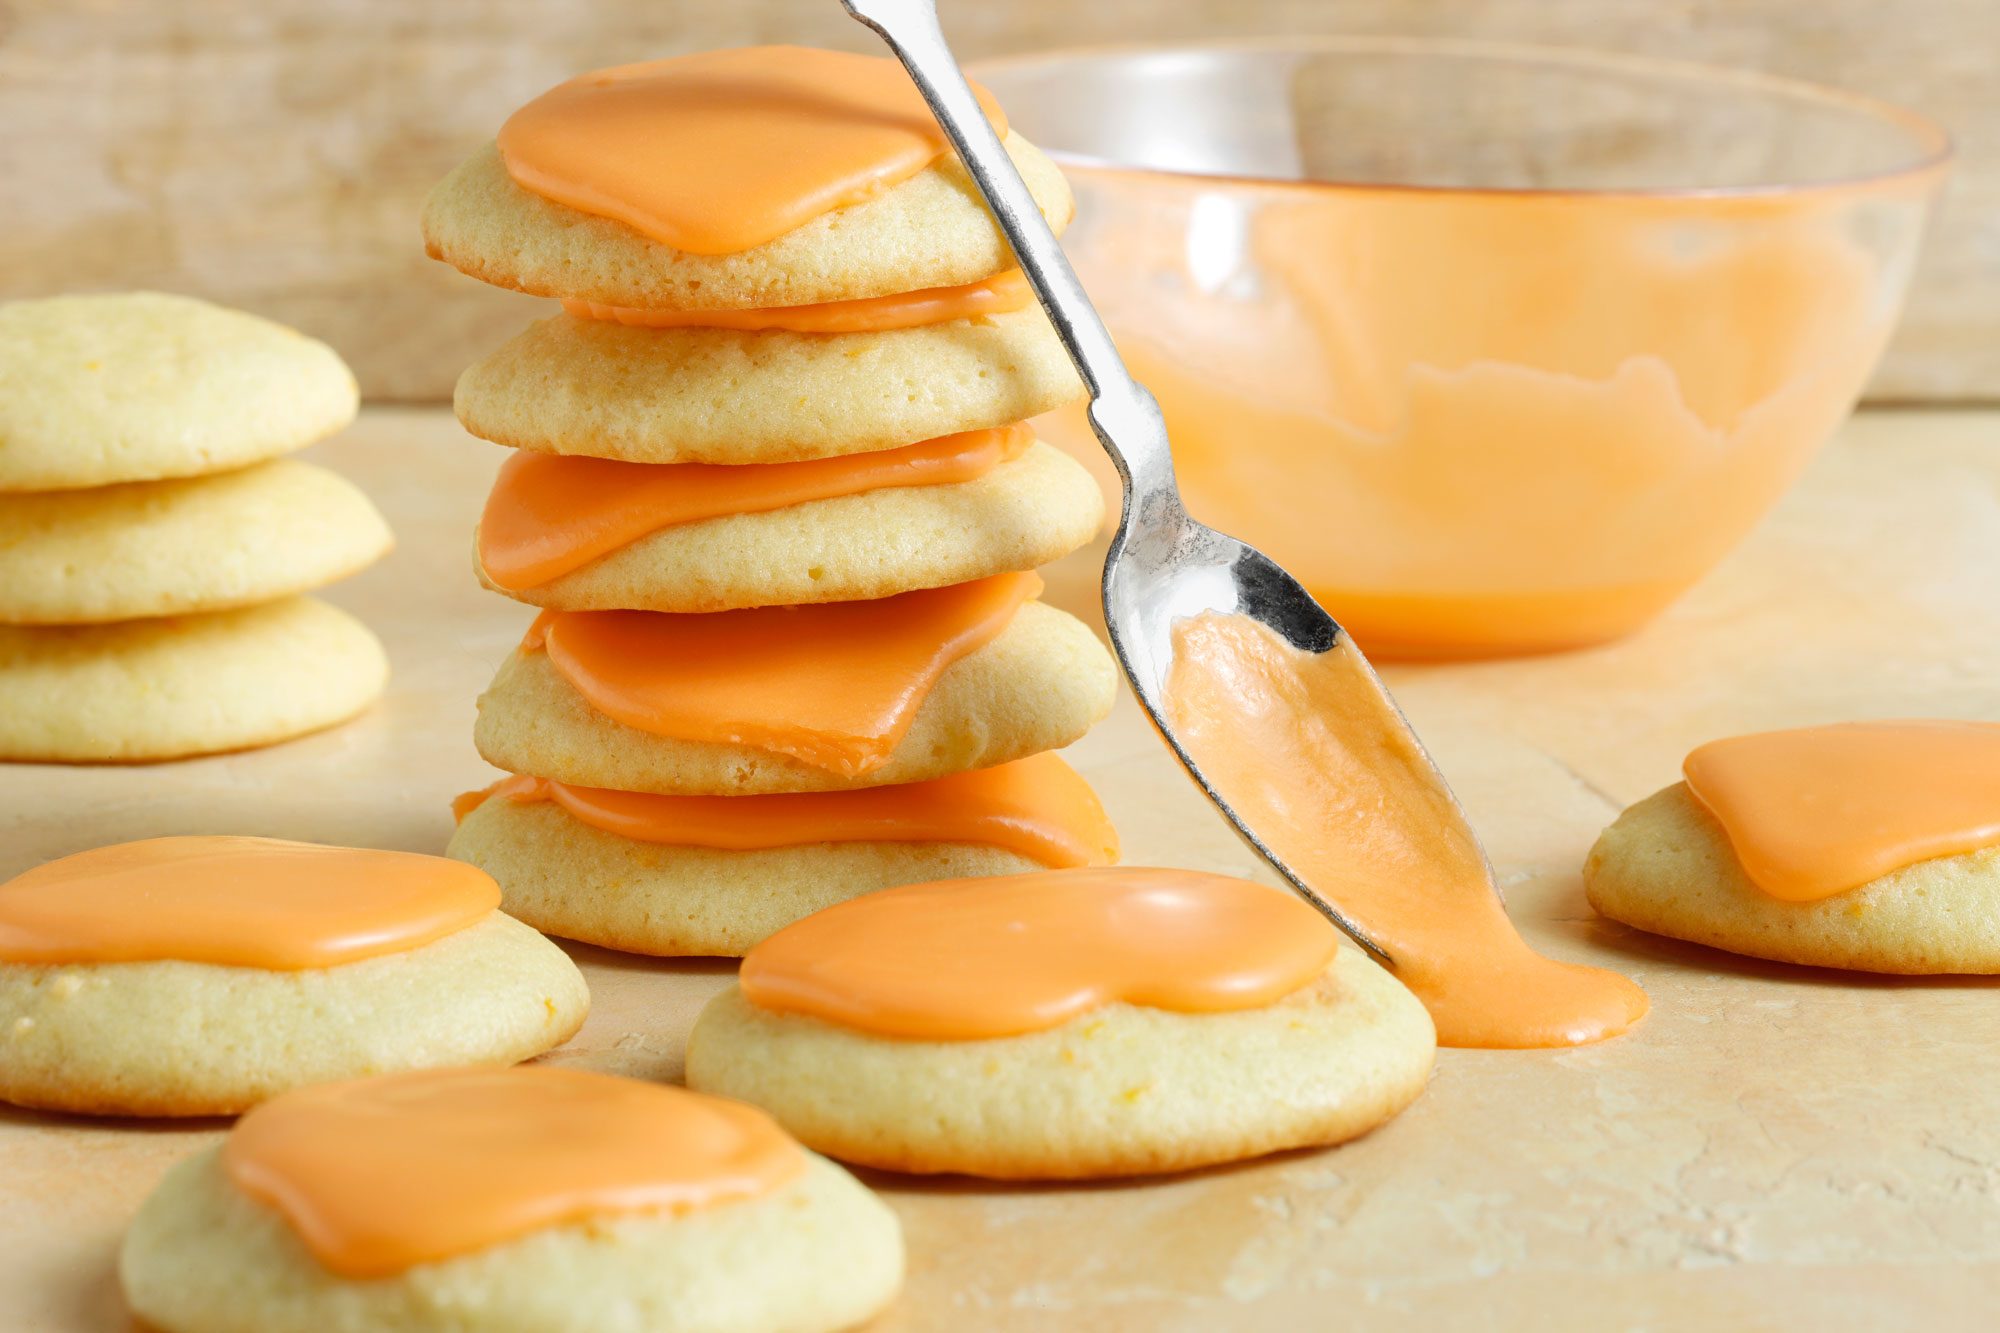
1164,566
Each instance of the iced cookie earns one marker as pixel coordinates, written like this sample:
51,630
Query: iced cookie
534,1200
594,387
201,975
791,699
138,386
183,685
1068,1024
681,875
727,180
591,534
172,547
1871,846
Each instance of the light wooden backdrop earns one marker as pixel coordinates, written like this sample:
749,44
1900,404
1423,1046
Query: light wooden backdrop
272,153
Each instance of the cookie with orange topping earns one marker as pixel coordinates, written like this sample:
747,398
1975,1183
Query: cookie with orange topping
197,976
1065,1024
534,1200
714,875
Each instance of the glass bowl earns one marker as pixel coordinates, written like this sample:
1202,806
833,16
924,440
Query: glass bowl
1498,348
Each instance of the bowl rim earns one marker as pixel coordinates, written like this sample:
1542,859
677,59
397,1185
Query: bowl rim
1933,148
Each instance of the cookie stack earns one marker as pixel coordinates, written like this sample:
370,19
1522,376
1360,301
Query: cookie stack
778,507
154,543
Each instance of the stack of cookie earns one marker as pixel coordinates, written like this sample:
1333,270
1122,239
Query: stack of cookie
154,544
774,496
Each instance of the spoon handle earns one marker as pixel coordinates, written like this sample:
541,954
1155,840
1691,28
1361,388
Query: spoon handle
1122,411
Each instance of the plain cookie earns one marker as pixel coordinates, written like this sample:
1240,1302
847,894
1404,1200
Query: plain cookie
137,386
157,548
183,685
1025,513
1666,866
1121,1090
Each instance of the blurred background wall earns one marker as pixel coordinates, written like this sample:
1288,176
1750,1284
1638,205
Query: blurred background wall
272,154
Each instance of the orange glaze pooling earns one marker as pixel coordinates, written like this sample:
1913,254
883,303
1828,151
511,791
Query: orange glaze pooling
237,902
1821,810
834,685
1037,807
998,295
379,1175
1304,747
718,152
552,514
972,959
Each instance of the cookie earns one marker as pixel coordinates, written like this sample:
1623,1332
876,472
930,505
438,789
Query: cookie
817,1253
174,1038
1042,683
139,386
585,386
158,548
1122,1089
1666,866
1026,512
183,685
932,230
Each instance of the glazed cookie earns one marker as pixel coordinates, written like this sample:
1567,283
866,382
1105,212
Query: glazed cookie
1042,683
171,547
585,386
630,1221
139,386
106,1009
183,685
1016,1055
1666,866
1026,512
931,230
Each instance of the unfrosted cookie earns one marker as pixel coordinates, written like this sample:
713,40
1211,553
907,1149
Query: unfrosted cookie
564,876
818,1254
173,1038
1025,513
136,386
183,685
156,548
1666,866
1119,1090
932,230
585,386
1042,683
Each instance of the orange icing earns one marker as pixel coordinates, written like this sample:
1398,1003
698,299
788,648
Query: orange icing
1305,747
998,295
1037,807
379,1175
970,959
237,902
552,514
835,685
1821,810
719,152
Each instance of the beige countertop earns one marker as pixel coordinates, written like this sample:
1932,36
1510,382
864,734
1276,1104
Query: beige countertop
1774,1147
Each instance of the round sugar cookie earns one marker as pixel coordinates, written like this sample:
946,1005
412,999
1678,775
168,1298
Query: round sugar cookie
571,879
173,1038
1120,1090
1042,683
158,548
183,685
817,1254
1665,866
585,386
1025,513
932,230
137,386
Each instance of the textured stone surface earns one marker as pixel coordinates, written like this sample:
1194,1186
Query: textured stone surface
1776,1147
